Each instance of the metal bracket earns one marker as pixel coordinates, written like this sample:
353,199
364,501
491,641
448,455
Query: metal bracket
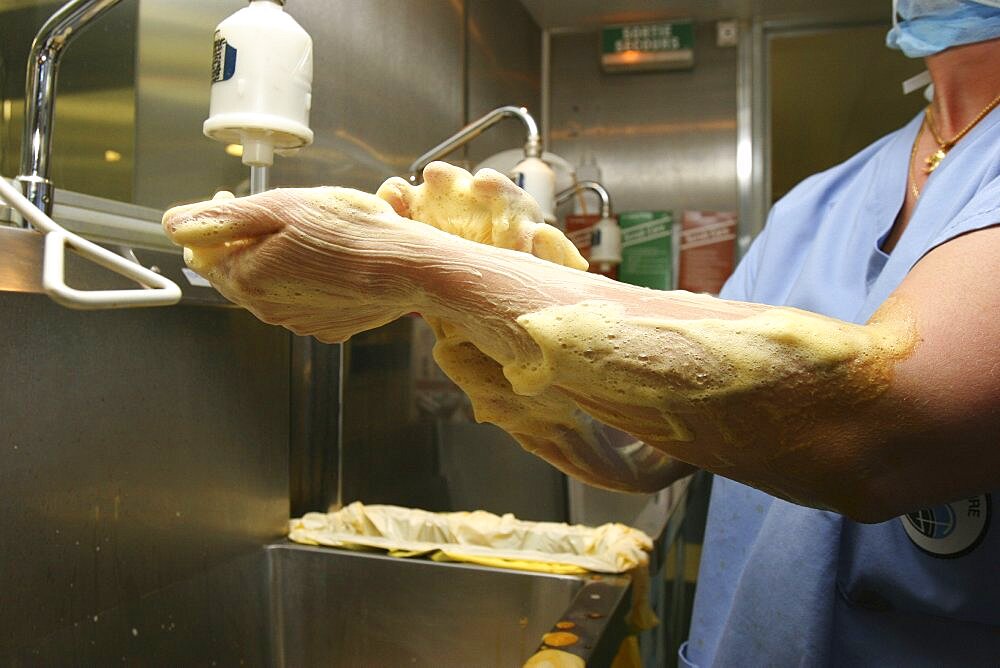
156,290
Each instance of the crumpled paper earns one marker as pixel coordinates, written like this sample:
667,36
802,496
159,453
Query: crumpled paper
478,537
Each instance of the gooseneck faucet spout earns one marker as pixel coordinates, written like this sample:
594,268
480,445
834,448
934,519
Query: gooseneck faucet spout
532,145
588,185
40,94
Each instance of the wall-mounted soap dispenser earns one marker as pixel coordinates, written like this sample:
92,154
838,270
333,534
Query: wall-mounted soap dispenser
261,86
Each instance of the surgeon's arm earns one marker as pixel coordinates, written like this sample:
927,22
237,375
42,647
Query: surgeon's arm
871,420
811,409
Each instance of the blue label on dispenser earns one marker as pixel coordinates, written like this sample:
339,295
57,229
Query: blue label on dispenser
223,60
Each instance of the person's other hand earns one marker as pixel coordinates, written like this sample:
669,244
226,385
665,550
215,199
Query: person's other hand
487,208
552,426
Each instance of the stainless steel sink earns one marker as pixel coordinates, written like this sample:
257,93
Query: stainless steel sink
297,606
356,609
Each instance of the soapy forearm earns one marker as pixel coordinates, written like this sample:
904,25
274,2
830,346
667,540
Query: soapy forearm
765,395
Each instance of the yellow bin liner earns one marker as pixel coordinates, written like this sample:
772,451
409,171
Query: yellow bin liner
478,537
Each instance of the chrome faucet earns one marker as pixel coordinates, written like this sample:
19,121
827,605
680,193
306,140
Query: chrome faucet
532,146
40,94
588,185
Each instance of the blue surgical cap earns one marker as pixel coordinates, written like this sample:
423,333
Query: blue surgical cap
926,27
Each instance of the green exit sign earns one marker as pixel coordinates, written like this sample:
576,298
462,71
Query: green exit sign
648,46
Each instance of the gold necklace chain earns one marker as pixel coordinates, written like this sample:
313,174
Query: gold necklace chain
913,159
935,158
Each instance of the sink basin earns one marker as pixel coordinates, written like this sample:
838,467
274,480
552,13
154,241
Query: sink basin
343,608
299,606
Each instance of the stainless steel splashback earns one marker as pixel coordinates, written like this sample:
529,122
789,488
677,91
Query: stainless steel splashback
504,67
174,161
387,85
137,448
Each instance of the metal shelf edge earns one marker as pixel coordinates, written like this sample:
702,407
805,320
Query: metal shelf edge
21,269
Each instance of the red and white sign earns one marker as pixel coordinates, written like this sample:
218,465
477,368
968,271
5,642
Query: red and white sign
707,250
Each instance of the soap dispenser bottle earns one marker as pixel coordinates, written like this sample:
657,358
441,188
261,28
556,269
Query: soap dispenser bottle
261,83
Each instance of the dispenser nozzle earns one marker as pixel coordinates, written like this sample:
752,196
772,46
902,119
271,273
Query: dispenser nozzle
257,152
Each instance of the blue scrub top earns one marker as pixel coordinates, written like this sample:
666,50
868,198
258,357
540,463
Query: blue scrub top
782,584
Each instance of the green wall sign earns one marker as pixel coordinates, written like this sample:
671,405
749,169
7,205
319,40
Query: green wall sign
648,46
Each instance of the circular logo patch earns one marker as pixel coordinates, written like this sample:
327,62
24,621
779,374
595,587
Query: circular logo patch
950,530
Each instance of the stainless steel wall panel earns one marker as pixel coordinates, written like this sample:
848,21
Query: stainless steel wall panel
175,162
477,464
387,85
663,140
504,67
485,468
389,445
137,448
315,470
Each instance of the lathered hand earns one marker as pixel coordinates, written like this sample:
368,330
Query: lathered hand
330,262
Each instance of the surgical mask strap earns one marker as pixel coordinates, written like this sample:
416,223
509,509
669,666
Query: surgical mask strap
916,82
